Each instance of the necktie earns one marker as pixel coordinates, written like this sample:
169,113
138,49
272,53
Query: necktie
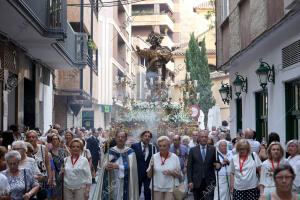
144,150
203,154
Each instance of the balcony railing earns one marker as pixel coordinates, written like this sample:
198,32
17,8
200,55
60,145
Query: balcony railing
50,15
75,46
151,12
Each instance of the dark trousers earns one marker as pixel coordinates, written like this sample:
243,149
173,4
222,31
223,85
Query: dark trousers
203,192
95,164
147,191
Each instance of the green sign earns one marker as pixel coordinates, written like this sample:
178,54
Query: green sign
106,108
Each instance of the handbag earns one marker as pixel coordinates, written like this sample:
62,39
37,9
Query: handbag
179,191
33,197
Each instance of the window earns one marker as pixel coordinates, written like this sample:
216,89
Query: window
225,9
292,105
261,99
239,114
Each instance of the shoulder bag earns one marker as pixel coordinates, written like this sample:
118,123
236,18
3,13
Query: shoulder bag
33,197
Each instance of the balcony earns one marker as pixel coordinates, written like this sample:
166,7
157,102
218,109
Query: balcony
169,3
42,29
150,19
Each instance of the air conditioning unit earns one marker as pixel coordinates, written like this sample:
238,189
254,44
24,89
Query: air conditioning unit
292,4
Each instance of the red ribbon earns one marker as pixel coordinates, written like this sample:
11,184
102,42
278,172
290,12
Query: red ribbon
242,164
163,161
273,164
73,163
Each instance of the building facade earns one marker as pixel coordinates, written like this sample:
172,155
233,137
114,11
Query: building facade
76,89
252,35
36,40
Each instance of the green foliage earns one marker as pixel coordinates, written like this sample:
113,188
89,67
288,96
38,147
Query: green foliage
91,44
197,64
210,15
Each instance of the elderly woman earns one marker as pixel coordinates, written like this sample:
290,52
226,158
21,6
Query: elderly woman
275,154
294,160
68,138
224,156
165,168
22,183
27,162
185,140
284,176
77,173
244,166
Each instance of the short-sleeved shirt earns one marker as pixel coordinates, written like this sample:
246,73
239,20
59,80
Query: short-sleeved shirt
164,183
267,173
247,179
17,183
31,164
4,186
181,152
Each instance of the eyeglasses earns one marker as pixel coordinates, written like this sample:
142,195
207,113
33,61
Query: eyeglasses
17,149
287,177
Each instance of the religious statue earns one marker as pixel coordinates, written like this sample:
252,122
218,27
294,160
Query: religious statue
157,55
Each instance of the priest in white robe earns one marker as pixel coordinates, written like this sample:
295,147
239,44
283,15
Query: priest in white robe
118,179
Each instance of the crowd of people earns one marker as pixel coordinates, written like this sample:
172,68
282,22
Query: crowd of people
63,164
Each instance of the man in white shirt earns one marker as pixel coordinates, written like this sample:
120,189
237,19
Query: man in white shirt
194,142
253,144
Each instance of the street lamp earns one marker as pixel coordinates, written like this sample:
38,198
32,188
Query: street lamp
240,85
265,74
226,92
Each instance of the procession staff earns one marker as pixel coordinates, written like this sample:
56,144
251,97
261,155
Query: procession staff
122,168
224,156
244,166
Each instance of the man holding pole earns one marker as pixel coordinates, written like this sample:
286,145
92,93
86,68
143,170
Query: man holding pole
118,179
143,151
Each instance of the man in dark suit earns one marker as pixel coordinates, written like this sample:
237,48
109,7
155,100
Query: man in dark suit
92,144
143,153
201,168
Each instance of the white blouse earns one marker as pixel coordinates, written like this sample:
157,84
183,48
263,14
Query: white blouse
165,183
78,175
267,173
247,179
295,163
4,186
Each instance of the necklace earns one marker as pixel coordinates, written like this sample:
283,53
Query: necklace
161,157
242,164
73,163
273,164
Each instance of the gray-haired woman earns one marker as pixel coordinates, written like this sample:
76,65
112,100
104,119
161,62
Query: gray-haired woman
27,162
294,160
22,183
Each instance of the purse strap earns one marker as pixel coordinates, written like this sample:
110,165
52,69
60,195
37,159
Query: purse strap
25,180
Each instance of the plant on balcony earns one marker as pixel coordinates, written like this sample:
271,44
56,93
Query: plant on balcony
91,45
136,12
166,31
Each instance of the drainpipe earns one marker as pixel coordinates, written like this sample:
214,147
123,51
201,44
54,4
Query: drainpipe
81,31
92,38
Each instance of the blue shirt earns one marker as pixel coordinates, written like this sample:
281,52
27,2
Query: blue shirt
181,152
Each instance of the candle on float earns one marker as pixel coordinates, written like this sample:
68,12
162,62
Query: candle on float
195,83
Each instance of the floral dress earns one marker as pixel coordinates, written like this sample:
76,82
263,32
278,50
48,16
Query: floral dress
17,183
58,161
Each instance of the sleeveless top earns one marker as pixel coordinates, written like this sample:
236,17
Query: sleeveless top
40,158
